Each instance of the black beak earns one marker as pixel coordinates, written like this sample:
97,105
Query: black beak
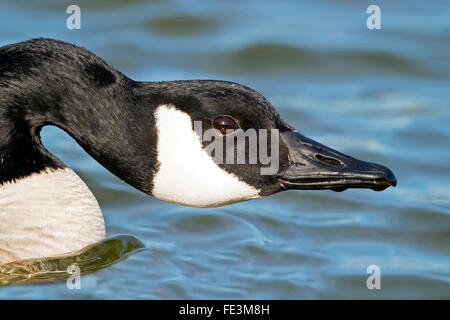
314,166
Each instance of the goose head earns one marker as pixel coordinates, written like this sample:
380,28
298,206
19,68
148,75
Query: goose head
220,142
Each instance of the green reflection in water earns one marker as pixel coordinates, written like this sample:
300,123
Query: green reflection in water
88,259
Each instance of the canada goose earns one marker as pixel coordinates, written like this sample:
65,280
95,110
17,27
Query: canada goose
143,132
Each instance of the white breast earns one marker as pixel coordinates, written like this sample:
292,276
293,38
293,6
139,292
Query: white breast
187,174
47,214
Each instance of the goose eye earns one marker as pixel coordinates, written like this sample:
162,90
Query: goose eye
224,123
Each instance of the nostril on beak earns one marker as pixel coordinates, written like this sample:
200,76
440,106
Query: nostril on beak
328,160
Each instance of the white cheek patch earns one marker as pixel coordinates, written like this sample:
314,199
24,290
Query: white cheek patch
187,174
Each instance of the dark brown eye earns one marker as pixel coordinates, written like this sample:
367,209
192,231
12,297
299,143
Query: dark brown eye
224,123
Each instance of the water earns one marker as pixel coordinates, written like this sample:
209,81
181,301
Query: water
380,95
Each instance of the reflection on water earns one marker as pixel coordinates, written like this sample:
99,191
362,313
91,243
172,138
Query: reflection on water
89,259
380,95
179,25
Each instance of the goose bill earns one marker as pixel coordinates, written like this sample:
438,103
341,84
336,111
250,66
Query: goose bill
314,166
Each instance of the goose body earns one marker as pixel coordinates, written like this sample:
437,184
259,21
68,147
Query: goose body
47,214
144,133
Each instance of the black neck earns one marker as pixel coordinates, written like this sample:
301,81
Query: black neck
48,82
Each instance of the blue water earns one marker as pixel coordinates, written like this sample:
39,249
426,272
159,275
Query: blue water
380,95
